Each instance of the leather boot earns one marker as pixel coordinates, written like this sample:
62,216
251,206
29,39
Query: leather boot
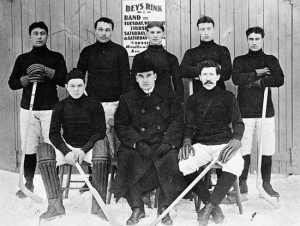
266,168
167,220
96,210
137,214
55,209
217,215
204,214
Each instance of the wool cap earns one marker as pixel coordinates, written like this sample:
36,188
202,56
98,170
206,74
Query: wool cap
74,74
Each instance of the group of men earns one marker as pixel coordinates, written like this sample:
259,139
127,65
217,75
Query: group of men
160,145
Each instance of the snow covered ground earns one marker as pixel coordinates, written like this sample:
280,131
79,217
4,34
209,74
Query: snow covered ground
25,212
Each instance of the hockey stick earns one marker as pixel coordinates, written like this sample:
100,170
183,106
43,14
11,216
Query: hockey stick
21,183
259,187
199,177
98,198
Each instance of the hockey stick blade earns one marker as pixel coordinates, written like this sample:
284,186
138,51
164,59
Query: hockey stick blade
21,183
199,177
98,198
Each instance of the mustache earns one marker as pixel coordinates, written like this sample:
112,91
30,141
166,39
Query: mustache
208,82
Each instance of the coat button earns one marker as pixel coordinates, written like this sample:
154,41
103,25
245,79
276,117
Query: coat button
158,108
143,129
158,127
143,111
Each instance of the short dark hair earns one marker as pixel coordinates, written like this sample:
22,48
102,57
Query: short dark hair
74,74
105,20
39,24
256,30
209,63
205,19
155,24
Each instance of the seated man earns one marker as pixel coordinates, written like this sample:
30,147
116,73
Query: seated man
149,124
83,123
207,135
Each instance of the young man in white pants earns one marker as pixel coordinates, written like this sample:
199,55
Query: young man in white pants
207,135
252,73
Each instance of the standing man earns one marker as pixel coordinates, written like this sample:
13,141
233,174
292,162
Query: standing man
207,50
107,66
48,68
166,64
209,115
149,124
82,121
252,73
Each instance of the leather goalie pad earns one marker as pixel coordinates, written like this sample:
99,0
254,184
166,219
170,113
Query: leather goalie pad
100,173
47,167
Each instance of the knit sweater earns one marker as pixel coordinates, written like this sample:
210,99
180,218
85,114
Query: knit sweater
82,121
213,127
107,65
206,51
251,99
46,92
166,68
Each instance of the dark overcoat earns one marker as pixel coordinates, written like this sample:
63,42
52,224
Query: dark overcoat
154,119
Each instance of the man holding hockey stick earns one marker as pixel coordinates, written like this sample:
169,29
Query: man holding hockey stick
48,68
252,73
207,135
82,120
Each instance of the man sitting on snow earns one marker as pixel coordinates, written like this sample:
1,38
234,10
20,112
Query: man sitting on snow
207,135
83,123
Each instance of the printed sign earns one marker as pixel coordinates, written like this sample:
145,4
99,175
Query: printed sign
136,16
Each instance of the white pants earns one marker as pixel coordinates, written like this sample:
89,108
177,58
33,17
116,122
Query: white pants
60,158
39,128
204,154
268,144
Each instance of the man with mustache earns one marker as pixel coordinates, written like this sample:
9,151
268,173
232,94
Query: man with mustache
207,135
252,73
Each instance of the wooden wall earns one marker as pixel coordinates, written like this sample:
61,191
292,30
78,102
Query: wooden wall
71,28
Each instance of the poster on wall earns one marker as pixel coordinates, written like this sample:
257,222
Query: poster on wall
136,15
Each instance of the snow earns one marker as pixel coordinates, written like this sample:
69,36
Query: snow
26,212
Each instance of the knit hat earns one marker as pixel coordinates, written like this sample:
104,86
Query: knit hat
143,65
74,74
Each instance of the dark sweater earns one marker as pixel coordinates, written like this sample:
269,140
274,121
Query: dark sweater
46,93
108,70
251,99
214,127
82,121
206,51
166,67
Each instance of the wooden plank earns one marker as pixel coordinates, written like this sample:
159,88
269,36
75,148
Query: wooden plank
76,9
53,25
212,9
69,32
83,35
90,23
114,11
195,15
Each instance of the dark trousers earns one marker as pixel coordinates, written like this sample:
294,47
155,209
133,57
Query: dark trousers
148,182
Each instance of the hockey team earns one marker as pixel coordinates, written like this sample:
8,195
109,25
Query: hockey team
161,145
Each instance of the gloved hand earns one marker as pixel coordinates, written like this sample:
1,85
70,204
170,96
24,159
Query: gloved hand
41,69
36,78
262,72
163,149
229,150
79,154
144,150
70,158
186,150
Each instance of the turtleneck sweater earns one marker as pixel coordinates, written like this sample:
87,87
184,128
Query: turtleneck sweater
213,127
251,99
82,121
166,68
206,51
46,92
107,65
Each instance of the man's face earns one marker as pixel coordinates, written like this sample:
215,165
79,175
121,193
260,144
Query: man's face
209,77
255,41
206,31
103,32
38,37
75,88
146,80
155,35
